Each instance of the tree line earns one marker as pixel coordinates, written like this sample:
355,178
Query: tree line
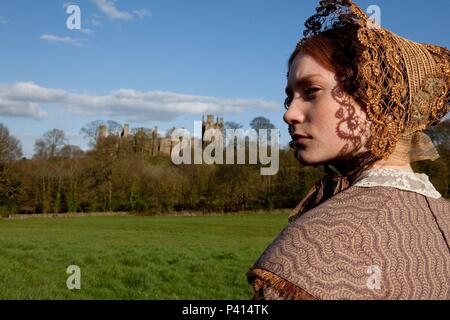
116,175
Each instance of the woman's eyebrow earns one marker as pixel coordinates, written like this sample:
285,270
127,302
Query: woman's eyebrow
302,81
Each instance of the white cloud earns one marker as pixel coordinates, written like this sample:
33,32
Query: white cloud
22,109
28,91
23,99
142,13
55,39
108,8
86,31
93,22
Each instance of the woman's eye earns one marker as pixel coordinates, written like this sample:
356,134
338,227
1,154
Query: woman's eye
287,102
309,92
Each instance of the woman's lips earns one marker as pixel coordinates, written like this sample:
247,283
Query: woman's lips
300,139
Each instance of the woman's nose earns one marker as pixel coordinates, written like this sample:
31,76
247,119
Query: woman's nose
294,114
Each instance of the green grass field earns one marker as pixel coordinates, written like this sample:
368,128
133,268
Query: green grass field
132,257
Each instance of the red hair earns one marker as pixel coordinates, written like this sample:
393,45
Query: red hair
337,50
320,48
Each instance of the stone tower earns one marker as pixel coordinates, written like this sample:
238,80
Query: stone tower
154,142
102,131
210,124
125,131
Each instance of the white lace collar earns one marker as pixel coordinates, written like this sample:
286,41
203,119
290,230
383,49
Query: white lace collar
400,179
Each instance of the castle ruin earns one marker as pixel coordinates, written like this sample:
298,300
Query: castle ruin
149,140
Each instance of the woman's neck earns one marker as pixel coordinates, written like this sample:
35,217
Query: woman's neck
399,159
393,163
405,167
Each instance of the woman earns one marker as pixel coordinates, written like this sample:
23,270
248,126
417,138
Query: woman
358,98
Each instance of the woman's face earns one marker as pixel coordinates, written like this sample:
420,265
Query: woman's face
326,125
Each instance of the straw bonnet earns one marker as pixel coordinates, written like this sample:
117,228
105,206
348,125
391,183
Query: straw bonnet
404,85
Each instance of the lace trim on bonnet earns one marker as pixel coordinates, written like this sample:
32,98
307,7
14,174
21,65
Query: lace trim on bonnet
400,179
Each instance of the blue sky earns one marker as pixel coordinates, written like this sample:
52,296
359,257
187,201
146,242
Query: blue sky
163,63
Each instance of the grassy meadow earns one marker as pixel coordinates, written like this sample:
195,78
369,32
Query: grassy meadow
134,257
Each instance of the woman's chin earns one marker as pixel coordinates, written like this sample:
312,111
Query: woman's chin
303,157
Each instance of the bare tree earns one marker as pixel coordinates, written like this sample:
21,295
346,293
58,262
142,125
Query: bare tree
141,130
232,125
50,144
70,151
262,123
90,131
113,127
10,147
